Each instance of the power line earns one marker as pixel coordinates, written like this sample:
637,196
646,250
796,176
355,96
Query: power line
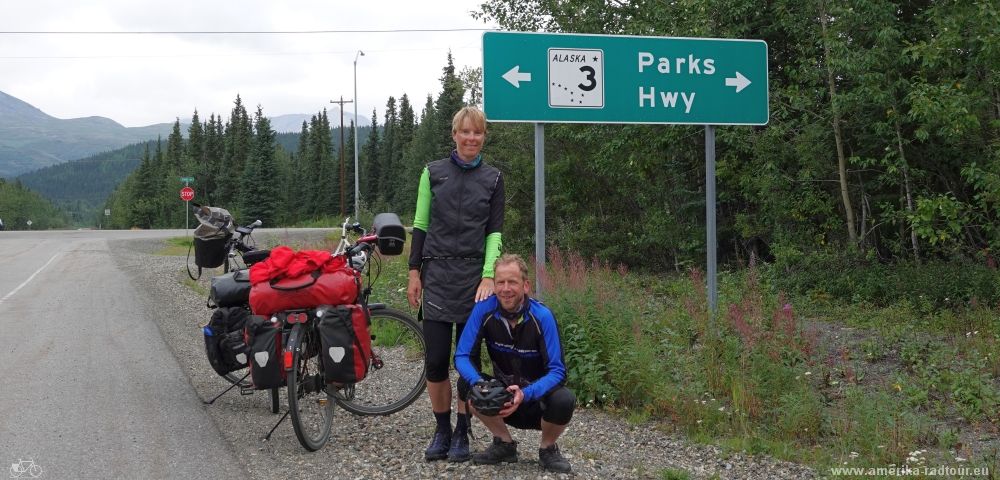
223,55
239,32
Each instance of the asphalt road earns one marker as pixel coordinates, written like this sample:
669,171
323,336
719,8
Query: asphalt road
90,389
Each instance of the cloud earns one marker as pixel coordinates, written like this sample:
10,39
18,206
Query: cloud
144,79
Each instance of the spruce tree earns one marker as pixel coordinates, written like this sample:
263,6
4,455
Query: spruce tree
370,172
317,183
194,158
140,199
237,145
214,152
388,156
175,147
421,151
403,170
448,104
296,178
260,182
349,169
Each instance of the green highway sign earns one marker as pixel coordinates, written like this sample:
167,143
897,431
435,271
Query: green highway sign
187,179
570,78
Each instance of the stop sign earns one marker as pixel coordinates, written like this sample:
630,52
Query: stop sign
187,194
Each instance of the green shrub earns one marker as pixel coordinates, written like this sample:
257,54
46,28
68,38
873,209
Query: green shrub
929,286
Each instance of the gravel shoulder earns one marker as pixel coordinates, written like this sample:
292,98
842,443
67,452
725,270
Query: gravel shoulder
598,445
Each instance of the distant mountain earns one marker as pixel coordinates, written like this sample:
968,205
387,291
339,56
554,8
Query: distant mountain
31,139
292,123
81,187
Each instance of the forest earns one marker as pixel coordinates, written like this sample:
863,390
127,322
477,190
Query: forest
882,140
20,205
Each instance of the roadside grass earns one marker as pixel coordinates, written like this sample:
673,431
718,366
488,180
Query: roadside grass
674,474
199,288
909,387
766,374
806,378
176,246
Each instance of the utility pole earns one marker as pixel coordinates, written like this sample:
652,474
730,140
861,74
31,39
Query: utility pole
343,207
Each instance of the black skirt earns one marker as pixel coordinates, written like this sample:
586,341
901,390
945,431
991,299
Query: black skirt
449,288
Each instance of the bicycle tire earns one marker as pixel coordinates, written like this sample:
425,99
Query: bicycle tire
310,405
398,344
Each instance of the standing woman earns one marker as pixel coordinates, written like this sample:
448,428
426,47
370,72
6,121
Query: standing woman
456,240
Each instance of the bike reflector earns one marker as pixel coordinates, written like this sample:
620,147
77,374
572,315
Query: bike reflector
288,360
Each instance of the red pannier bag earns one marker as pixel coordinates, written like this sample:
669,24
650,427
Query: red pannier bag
346,342
290,280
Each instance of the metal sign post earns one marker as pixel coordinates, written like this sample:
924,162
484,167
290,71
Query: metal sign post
572,78
539,208
187,194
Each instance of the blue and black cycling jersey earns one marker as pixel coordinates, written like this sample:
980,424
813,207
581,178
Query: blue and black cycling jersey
528,355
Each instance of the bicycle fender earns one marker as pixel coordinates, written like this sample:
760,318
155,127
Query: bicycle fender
294,341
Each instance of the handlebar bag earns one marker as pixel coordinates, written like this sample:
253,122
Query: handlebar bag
231,289
390,232
224,343
330,283
264,339
346,343
210,253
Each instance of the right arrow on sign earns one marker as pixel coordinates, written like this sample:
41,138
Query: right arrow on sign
514,76
739,81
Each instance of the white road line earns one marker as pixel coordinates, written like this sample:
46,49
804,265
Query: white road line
12,292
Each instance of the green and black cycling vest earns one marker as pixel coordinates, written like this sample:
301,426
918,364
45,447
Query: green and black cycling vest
462,214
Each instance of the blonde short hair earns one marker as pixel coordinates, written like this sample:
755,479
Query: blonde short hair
475,115
515,259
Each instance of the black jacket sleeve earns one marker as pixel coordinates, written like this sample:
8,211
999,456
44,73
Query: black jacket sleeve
417,249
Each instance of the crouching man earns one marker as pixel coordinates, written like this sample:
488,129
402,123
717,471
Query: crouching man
526,354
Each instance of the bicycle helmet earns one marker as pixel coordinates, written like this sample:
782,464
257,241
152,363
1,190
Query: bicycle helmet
489,397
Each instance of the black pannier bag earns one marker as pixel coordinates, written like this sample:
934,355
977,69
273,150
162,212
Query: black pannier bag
231,289
210,237
390,232
224,345
346,343
263,336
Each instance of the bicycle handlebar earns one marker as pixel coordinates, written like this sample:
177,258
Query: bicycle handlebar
248,229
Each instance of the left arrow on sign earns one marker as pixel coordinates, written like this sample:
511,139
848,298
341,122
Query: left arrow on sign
739,81
515,77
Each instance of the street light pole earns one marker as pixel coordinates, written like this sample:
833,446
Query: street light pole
356,195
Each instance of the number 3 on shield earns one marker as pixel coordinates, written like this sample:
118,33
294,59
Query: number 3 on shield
590,76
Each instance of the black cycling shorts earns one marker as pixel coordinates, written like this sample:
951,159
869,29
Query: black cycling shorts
555,407
438,337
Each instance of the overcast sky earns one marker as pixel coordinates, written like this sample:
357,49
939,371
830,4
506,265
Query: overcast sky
144,79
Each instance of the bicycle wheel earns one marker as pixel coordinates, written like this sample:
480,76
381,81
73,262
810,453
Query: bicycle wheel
311,407
396,377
